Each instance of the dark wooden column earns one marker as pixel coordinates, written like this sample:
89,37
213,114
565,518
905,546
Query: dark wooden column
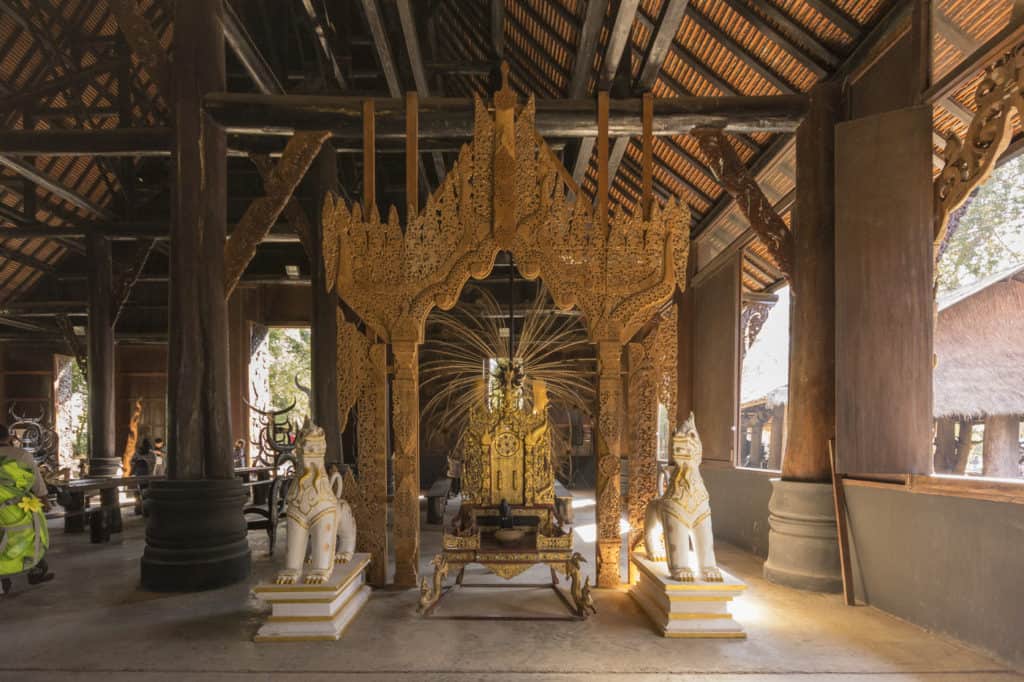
103,459
685,315
803,551
945,445
1000,450
195,531
324,337
811,411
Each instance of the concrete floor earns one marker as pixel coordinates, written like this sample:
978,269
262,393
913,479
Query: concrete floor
93,622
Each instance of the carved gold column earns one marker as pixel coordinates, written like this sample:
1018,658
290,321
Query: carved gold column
373,464
642,417
406,423
609,487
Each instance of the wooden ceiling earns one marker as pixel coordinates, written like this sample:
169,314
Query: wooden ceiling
63,63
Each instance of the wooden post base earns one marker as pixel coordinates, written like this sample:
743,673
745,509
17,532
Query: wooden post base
302,613
695,609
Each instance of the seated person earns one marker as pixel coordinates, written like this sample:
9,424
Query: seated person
144,461
159,458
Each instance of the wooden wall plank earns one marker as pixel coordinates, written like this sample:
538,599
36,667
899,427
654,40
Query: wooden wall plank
884,293
716,360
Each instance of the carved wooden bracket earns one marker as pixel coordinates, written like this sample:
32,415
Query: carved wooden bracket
970,162
293,211
262,213
725,164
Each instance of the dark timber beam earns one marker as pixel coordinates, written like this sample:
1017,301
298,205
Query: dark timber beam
30,172
741,53
668,27
245,50
24,259
262,213
452,118
321,27
586,48
778,37
617,42
419,72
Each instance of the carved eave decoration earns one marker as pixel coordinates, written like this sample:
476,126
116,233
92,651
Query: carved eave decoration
506,192
968,163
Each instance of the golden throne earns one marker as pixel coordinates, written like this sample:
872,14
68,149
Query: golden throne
508,522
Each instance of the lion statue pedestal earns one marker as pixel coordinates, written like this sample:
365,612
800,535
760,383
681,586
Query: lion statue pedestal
684,592
316,598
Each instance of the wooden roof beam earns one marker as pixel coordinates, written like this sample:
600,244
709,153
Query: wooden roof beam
792,49
452,118
617,42
664,36
248,54
320,25
30,172
586,49
840,19
25,259
741,53
703,71
419,72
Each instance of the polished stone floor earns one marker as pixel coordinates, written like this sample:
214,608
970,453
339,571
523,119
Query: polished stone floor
94,623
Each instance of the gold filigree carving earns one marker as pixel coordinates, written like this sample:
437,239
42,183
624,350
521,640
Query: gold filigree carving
968,163
609,485
506,191
652,381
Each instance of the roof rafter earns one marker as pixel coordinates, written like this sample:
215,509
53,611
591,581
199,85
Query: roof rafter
777,37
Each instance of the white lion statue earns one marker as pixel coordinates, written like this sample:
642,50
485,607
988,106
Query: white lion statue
315,509
683,512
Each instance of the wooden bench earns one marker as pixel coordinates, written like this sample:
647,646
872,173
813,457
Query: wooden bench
437,499
102,519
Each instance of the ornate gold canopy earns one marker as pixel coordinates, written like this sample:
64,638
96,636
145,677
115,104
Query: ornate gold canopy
505,192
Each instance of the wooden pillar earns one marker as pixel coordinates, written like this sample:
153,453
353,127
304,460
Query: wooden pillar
945,445
103,459
195,531
609,467
756,438
324,317
686,313
963,446
405,423
1000,454
811,413
777,441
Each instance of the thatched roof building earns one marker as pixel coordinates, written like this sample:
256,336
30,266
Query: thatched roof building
979,343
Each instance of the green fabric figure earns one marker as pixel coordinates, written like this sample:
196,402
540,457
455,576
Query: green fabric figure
23,534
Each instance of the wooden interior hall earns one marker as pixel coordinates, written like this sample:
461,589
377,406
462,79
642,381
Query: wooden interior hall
179,176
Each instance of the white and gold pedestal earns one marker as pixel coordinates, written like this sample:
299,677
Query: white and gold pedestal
315,612
697,609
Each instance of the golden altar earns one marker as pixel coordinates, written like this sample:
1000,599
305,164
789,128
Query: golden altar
508,522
